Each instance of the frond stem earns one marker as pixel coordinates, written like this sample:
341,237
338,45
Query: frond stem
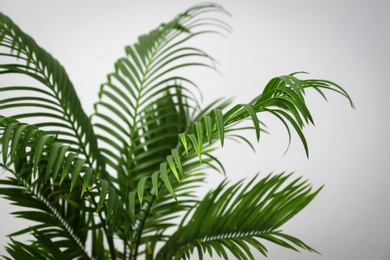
139,234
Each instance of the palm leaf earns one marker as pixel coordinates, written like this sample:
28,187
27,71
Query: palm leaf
156,210
20,250
125,116
51,228
50,171
232,218
283,97
51,98
145,105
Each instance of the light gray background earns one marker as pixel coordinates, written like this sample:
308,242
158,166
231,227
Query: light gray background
344,41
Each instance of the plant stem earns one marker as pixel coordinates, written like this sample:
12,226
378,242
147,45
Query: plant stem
109,238
139,234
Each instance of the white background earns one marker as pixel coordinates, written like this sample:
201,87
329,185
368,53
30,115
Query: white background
343,41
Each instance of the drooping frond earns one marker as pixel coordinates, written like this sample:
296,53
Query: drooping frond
283,97
232,218
55,235
37,157
51,100
51,180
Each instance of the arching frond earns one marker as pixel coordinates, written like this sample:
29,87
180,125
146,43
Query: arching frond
55,235
51,180
232,218
51,99
130,113
283,97
145,105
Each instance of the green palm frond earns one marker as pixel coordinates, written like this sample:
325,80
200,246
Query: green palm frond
128,102
51,99
162,209
145,105
283,97
20,250
52,230
232,218
37,157
154,211
50,173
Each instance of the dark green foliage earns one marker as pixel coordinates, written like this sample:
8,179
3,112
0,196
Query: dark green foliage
266,206
130,171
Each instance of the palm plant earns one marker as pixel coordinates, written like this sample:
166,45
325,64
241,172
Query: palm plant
116,184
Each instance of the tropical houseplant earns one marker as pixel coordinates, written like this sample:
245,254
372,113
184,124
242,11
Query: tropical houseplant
121,183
